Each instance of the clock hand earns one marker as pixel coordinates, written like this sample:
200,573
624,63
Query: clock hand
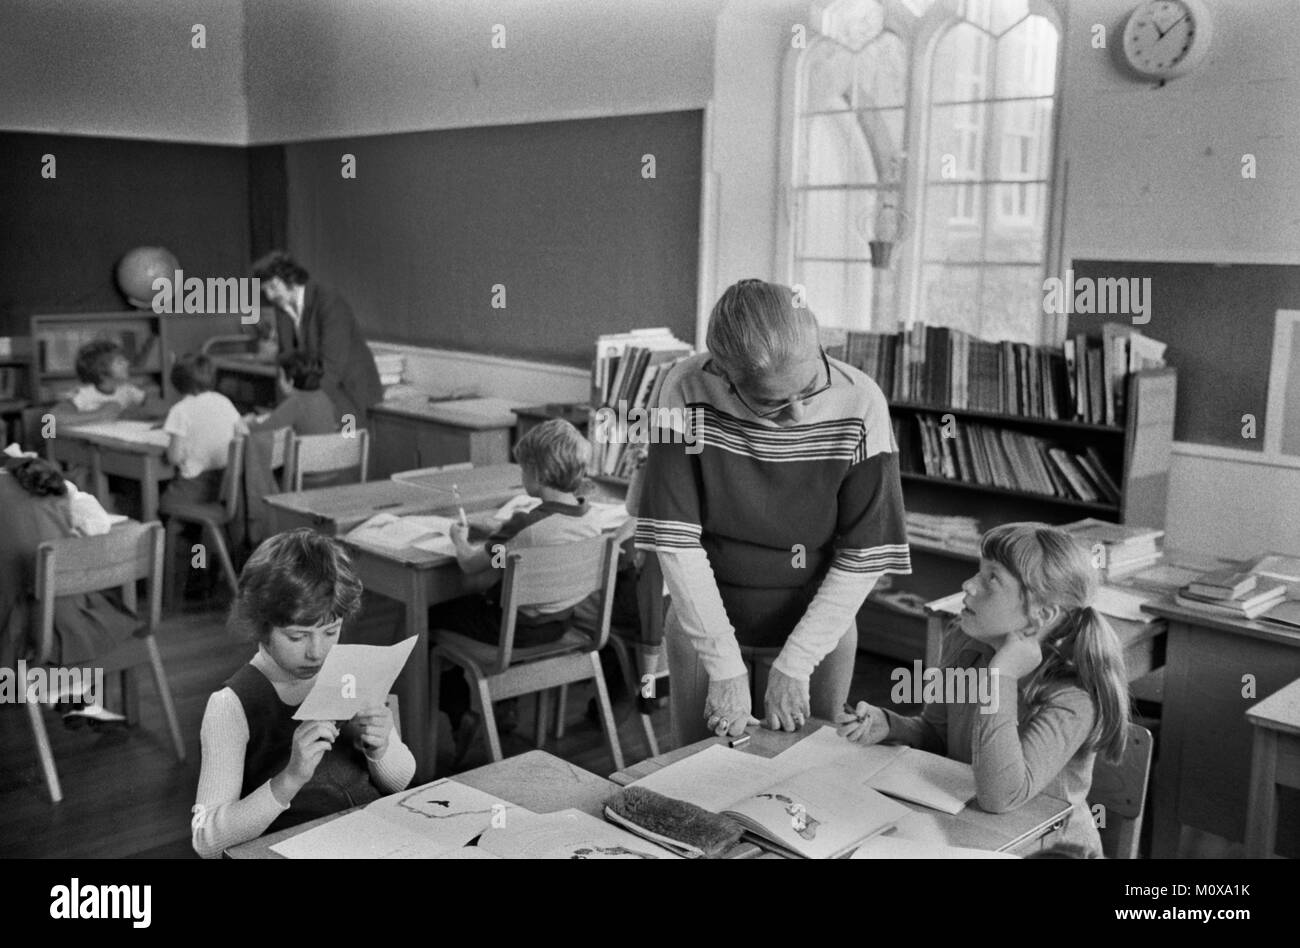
1171,26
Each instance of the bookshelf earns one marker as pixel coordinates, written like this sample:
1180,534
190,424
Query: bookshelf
151,342
1136,455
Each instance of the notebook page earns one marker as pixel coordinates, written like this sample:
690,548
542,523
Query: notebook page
568,834
353,678
825,748
928,779
359,835
712,779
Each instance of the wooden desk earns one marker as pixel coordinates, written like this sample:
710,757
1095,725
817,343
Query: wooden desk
413,434
1021,831
1203,774
334,511
536,781
1275,762
105,454
479,487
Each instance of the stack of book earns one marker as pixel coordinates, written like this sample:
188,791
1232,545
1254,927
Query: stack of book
992,456
391,364
937,365
958,534
627,369
1232,593
1123,548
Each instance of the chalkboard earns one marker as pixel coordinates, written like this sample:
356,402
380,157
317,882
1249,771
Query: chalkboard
1218,322
590,226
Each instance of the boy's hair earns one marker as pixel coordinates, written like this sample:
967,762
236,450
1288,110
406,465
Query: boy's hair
755,328
94,358
40,478
193,374
304,372
294,578
557,453
1054,568
277,263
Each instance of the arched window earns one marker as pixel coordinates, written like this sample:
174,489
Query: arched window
968,86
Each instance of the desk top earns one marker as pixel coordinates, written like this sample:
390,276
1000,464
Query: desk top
347,505
480,487
138,437
1168,609
248,363
474,413
536,781
972,827
1280,711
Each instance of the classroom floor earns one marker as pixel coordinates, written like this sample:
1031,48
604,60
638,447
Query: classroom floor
125,794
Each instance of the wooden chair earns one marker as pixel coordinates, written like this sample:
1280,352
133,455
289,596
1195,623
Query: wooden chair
543,574
329,454
1122,789
212,517
80,565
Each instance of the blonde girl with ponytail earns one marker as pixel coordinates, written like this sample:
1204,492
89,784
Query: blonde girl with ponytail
1059,696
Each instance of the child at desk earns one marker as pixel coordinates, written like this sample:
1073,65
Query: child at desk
305,408
1061,692
263,771
554,458
202,425
106,391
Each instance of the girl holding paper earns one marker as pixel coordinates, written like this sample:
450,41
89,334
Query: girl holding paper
262,770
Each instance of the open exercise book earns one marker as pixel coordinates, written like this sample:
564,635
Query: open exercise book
818,813
429,822
568,834
389,531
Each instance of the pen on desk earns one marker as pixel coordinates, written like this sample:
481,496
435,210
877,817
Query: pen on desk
455,492
853,711
396,503
739,741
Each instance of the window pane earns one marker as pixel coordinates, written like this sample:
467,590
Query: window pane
950,297
839,294
1003,13
1027,59
836,223
962,62
882,73
852,148
1017,227
1012,303
956,142
829,79
952,222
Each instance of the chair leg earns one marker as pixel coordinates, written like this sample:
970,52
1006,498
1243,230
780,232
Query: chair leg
43,750
165,696
171,553
561,711
435,692
216,533
649,728
490,720
606,712
543,713
130,697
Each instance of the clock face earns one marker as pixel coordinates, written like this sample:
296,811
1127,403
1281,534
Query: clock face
1165,38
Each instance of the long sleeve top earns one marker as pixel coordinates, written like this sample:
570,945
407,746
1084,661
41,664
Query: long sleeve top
220,817
1016,755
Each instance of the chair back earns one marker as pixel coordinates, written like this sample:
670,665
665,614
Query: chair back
329,453
115,560
555,573
232,479
1122,790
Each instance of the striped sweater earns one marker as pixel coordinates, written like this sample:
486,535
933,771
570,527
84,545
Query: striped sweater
774,508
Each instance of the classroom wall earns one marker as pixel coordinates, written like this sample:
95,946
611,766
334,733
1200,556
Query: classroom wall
370,67
1154,174
124,69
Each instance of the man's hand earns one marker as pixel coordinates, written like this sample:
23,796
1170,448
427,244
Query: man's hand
727,708
786,705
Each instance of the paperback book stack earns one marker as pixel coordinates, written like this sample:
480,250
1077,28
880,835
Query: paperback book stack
1232,593
627,369
1119,549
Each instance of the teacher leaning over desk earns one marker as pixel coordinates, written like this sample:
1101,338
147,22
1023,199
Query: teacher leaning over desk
773,508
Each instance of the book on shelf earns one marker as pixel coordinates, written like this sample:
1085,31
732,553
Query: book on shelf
1252,604
1083,380
1223,584
627,371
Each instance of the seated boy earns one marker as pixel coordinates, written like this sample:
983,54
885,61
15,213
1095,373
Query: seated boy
106,391
554,458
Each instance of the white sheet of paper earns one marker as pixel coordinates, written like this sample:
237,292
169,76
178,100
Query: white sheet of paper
1121,603
138,432
436,544
354,677
712,779
390,531
825,748
568,834
893,846
359,835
